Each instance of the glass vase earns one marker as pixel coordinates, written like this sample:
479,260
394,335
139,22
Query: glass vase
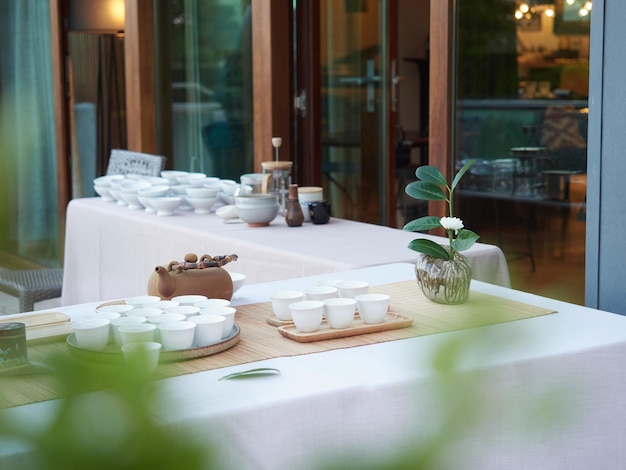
444,281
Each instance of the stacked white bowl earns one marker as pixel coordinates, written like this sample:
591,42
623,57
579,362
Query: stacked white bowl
164,195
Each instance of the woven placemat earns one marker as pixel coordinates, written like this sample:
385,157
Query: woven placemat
260,340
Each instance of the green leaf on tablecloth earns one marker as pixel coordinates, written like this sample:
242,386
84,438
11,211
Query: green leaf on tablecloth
262,371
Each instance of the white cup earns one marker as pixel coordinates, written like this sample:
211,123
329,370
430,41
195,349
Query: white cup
281,301
138,333
307,315
339,312
143,355
208,303
162,304
121,308
351,289
209,329
141,300
107,316
166,318
227,312
188,299
373,307
177,335
145,312
187,310
116,323
92,334
308,194
321,292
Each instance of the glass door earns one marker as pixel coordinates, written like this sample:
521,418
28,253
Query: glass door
355,57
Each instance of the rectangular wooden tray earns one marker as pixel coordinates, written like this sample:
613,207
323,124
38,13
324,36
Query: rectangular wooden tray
392,321
45,327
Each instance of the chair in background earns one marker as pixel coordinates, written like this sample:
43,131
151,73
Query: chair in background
124,162
31,285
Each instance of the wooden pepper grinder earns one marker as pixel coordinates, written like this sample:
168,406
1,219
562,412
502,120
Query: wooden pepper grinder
293,213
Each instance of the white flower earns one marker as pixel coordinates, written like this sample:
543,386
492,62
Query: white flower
451,223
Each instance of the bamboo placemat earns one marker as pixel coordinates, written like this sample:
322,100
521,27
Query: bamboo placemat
260,340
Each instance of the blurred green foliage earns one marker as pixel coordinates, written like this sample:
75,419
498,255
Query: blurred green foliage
103,422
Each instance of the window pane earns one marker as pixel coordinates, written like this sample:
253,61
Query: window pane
207,49
521,112
28,211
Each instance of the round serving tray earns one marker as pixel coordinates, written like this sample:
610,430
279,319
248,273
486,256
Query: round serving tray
113,353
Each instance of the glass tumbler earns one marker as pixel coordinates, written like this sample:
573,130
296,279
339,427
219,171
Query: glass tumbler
279,181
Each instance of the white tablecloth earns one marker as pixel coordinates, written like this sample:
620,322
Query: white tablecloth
110,251
545,393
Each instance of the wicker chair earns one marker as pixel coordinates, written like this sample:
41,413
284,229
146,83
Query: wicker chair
32,285
123,162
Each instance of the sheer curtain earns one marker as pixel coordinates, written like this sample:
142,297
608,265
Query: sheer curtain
28,190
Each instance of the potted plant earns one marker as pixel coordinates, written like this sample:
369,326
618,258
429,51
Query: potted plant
442,272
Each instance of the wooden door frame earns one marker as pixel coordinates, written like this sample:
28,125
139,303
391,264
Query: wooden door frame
440,122
272,83
308,124
59,54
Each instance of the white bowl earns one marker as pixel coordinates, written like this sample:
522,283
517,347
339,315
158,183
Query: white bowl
154,191
201,205
238,280
372,307
104,192
229,186
257,210
172,175
131,199
165,206
147,203
106,180
227,212
307,315
203,192
134,185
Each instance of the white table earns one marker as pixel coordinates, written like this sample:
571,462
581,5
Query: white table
110,250
552,392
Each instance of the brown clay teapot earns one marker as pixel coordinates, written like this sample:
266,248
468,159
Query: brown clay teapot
193,277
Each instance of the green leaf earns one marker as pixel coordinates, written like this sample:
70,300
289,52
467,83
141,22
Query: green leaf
422,224
262,371
425,190
431,174
464,240
429,247
460,174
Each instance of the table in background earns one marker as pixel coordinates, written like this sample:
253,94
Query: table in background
110,250
377,401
